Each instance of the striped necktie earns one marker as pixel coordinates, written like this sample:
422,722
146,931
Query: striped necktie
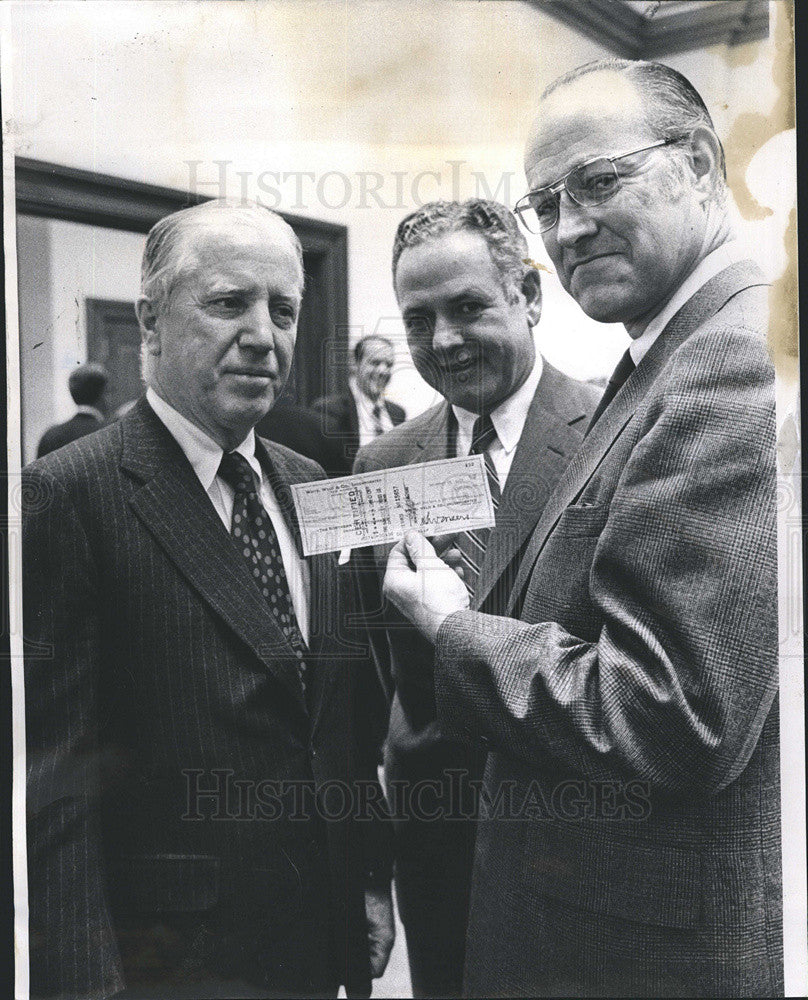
472,544
377,419
254,534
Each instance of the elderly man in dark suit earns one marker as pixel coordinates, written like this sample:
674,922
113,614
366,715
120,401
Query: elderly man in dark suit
355,418
629,701
87,384
469,303
192,699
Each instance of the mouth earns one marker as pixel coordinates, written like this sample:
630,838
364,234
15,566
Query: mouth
250,371
583,261
461,362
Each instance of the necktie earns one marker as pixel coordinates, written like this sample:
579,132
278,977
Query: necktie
625,366
472,544
253,531
377,419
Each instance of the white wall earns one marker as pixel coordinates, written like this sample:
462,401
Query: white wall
61,264
314,106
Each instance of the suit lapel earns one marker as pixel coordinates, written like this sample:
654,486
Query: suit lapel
704,304
176,510
433,441
552,432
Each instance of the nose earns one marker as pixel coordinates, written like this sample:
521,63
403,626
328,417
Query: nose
574,222
445,335
256,331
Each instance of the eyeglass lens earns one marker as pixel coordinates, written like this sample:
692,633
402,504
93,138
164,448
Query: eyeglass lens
591,184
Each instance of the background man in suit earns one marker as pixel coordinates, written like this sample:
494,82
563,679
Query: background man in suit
87,383
630,701
190,701
469,303
357,417
300,429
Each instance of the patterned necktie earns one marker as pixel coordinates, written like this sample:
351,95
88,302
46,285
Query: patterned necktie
377,419
253,531
625,366
472,544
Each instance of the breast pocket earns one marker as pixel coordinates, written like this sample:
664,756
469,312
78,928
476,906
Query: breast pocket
558,590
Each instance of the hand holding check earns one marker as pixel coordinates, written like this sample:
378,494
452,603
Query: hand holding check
424,586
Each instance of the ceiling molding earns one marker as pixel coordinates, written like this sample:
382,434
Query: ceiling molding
632,35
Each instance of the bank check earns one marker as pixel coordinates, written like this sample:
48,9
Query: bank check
435,498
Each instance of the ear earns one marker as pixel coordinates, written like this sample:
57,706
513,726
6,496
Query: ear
704,154
531,289
148,318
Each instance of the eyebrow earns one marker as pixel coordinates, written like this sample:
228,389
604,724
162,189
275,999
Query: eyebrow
471,291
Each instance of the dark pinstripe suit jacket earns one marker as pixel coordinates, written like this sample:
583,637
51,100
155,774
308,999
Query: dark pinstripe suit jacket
154,672
633,708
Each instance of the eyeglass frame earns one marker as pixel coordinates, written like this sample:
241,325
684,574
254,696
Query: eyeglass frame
561,185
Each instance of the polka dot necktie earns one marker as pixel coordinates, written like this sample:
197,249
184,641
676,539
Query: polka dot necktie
472,544
252,530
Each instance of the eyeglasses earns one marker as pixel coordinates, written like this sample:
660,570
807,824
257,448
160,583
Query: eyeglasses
590,184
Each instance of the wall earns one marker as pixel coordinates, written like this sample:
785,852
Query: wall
349,112
355,112
61,264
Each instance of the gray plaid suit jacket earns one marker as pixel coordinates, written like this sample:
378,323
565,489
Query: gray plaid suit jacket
155,674
629,705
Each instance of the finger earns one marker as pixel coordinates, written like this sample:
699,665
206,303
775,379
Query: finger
398,557
418,547
452,557
443,543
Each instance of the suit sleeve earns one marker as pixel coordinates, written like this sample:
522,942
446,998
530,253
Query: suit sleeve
73,952
676,686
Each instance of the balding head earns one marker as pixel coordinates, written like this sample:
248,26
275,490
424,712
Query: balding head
650,93
171,244
222,288
627,186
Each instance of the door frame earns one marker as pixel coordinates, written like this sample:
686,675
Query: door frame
54,191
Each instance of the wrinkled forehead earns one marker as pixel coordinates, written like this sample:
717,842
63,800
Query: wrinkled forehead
600,114
228,239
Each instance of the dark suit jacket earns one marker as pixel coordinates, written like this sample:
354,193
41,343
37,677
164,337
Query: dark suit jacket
61,434
631,706
154,674
553,430
301,429
341,423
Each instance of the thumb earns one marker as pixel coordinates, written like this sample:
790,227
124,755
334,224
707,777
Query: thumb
417,546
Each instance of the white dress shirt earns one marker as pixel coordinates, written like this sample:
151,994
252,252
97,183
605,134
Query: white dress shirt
364,411
710,266
91,411
508,420
205,455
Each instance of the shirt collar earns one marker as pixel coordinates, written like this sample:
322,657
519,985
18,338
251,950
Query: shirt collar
90,411
362,398
711,265
201,450
510,416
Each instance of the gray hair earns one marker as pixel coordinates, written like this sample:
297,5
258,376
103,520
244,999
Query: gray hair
490,219
168,250
672,106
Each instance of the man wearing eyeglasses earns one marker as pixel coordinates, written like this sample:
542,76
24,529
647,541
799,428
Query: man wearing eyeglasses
629,701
